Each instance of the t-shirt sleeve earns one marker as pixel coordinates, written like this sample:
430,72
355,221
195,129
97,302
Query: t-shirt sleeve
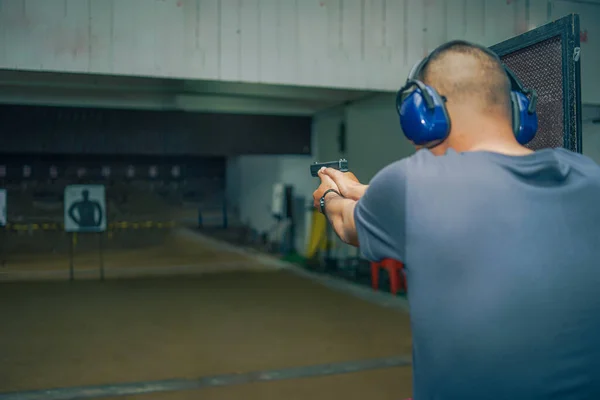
380,215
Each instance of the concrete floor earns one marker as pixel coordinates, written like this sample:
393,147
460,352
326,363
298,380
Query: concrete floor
388,384
61,334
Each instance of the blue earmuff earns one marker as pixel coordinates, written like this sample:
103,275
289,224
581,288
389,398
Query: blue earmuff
424,118
525,120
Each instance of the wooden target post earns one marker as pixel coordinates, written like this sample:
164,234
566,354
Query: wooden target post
101,254
85,212
73,242
3,222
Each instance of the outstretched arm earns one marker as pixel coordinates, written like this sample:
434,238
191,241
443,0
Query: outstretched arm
376,222
72,213
100,216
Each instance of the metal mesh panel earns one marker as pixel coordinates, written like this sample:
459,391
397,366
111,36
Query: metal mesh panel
574,96
540,67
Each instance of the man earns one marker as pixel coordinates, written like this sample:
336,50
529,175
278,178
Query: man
501,245
85,212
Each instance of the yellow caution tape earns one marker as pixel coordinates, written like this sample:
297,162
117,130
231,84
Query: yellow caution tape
46,226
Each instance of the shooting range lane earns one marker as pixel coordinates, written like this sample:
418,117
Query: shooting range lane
84,333
125,253
230,311
143,238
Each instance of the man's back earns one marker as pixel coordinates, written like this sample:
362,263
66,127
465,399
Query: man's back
502,258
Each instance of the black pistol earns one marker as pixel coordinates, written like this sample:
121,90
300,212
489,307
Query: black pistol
340,165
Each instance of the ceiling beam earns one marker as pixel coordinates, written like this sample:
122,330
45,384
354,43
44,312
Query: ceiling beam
86,81
143,84
240,105
158,101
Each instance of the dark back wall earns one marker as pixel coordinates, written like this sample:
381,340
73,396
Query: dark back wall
64,130
91,168
172,178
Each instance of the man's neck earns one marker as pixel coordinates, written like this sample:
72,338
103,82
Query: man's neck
486,134
509,149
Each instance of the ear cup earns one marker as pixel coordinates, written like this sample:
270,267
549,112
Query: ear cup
525,124
422,124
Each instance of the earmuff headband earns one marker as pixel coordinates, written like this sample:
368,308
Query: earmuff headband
424,119
516,84
411,83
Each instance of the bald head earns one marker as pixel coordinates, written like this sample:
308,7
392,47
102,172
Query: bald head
466,75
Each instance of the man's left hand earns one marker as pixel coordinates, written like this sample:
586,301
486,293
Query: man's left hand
326,184
348,184
340,210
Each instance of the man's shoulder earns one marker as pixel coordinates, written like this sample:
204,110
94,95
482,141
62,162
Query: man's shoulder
394,169
576,158
422,158
421,163
576,166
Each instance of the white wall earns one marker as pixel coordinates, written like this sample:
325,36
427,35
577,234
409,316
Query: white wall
333,43
591,132
591,141
589,15
250,181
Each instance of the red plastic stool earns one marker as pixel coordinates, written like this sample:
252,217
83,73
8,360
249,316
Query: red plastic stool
395,270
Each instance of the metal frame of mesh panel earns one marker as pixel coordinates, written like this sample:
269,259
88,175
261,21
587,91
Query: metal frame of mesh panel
546,59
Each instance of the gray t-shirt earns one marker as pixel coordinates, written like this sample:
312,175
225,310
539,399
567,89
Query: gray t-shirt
502,255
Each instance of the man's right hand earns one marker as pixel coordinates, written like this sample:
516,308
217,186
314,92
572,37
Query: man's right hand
347,183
